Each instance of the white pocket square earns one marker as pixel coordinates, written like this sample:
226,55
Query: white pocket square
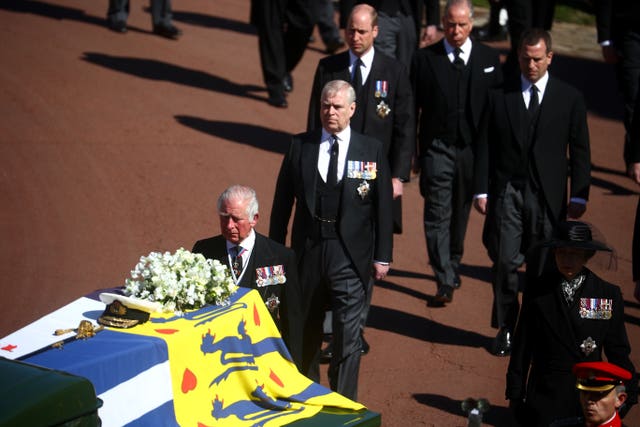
489,69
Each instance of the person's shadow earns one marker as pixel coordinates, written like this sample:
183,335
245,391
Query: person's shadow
159,70
251,135
409,325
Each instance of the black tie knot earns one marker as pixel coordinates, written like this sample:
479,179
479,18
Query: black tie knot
356,78
236,260
332,173
457,60
534,101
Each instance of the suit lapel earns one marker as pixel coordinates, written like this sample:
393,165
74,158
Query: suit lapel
546,106
309,156
442,68
343,70
514,104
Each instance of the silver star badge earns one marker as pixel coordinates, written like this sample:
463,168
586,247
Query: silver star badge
588,346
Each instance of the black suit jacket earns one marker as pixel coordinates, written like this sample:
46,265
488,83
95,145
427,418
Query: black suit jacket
561,126
546,340
396,130
615,17
268,253
364,223
430,74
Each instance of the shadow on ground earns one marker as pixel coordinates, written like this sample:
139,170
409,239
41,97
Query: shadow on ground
417,327
159,70
247,134
209,21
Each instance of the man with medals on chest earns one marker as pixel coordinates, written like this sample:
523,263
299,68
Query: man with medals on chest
257,262
385,109
569,316
342,230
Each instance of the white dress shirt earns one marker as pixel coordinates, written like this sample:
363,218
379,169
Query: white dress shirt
325,152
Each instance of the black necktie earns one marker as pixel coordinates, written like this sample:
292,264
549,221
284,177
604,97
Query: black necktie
332,173
356,80
534,102
457,61
236,263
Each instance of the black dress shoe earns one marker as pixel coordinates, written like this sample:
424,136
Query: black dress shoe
365,346
457,282
168,31
278,101
502,343
287,83
118,26
444,294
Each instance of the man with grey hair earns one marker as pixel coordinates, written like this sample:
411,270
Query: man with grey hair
257,262
342,230
451,81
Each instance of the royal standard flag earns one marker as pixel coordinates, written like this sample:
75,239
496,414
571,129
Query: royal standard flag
230,367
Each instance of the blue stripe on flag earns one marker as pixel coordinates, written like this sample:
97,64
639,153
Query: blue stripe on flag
96,359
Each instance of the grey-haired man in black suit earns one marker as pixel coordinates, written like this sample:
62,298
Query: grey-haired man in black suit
257,262
342,232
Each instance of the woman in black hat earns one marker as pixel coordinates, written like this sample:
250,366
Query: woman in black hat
571,315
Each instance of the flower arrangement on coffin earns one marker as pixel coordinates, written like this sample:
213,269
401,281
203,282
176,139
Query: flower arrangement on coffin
180,281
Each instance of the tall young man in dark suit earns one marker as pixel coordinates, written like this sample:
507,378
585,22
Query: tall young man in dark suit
451,81
522,165
385,109
384,100
342,231
257,262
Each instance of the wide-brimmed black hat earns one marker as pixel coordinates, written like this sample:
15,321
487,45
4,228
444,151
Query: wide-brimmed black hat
575,234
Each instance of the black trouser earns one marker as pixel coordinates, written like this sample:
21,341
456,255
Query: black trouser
446,183
284,27
329,278
516,220
160,11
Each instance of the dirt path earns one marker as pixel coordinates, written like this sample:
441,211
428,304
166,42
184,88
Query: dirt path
112,146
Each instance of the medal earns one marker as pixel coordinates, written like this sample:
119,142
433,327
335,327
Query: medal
383,109
270,275
272,303
363,189
596,308
357,169
588,346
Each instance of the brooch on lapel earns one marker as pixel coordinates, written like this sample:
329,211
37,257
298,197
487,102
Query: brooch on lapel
363,189
272,303
596,308
361,170
270,275
588,346
382,90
